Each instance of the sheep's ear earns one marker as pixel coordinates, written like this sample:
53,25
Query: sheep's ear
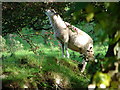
90,48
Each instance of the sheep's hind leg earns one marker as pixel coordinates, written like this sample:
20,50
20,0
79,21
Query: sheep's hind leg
66,48
63,48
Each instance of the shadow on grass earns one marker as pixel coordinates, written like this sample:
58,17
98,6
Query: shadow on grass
24,69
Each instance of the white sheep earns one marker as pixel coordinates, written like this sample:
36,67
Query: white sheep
71,37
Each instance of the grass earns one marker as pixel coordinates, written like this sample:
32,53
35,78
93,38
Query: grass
24,69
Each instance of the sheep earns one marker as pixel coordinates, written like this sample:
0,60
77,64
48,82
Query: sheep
71,37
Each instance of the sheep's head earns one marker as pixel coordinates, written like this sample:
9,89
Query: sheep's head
90,53
50,12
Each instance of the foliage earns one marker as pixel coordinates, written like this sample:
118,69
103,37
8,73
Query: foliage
2,44
99,19
106,29
105,25
13,44
101,79
10,44
17,15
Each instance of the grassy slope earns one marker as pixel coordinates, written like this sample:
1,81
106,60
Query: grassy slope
25,69
49,69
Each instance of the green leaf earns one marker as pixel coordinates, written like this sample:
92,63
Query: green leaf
90,17
101,78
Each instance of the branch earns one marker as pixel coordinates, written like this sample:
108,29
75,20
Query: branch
31,35
32,24
40,28
32,46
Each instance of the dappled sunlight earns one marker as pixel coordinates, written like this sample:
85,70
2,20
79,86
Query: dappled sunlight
24,64
32,56
23,52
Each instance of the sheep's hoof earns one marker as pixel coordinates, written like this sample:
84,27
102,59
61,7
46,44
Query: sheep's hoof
82,71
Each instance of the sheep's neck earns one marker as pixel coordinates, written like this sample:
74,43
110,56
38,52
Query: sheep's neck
57,22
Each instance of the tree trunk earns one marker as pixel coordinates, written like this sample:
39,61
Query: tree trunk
110,51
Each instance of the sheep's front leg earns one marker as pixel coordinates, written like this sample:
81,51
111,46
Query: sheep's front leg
84,66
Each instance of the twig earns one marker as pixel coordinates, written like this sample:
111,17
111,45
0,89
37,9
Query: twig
32,46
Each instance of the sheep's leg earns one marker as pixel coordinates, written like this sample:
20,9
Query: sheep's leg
66,48
63,48
84,66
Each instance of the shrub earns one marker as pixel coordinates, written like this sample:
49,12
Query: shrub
13,44
2,44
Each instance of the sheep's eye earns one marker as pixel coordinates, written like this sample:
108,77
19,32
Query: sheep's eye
88,51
